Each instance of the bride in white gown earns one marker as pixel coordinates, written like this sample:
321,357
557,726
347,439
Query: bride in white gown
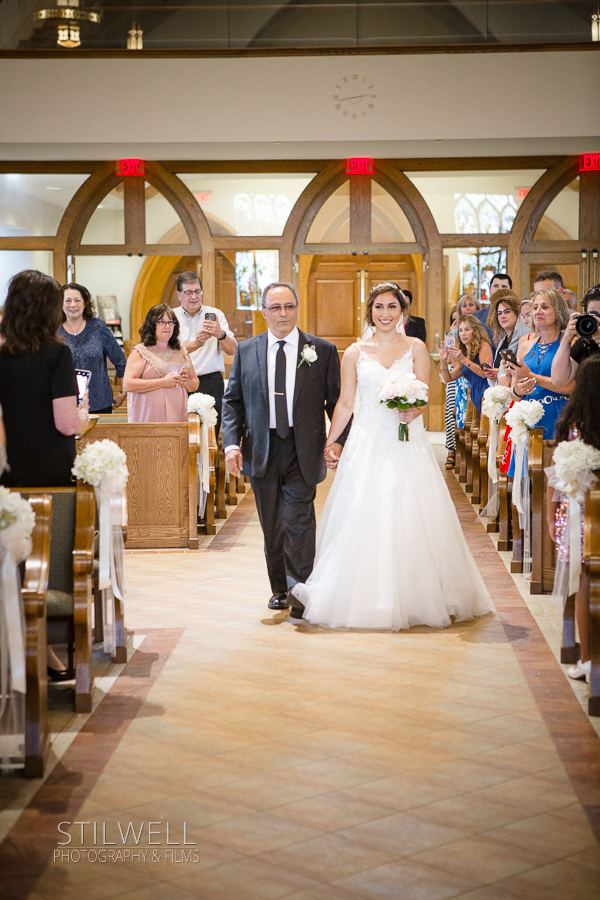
390,550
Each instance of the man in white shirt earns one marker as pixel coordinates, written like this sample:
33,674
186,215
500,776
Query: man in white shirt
205,334
282,383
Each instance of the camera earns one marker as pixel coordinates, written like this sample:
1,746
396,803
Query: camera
586,326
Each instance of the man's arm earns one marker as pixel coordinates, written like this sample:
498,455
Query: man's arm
333,391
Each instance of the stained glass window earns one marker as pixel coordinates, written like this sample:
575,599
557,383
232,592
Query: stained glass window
254,270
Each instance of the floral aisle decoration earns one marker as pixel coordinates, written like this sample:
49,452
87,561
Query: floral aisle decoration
17,520
573,475
203,405
403,391
103,464
496,401
522,417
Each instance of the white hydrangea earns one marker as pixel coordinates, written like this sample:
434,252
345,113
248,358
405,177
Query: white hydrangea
523,416
404,388
99,460
203,405
574,464
496,401
16,524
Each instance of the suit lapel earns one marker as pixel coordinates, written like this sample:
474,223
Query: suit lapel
300,369
262,346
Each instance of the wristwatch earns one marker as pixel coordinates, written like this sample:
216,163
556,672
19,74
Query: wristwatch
223,336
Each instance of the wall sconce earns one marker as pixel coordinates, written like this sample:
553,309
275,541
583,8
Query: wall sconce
69,16
135,38
596,23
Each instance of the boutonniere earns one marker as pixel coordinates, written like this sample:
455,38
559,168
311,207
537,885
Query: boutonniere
309,355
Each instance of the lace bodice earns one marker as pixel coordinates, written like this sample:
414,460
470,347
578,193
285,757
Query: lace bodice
372,415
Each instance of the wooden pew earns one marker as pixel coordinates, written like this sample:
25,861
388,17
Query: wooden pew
543,554
35,585
221,507
504,497
472,486
162,486
591,569
483,443
466,443
211,499
69,606
460,449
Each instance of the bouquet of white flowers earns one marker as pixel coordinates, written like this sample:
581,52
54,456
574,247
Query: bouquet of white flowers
204,406
403,391
523,416
496,401
16,524
100,460
574,464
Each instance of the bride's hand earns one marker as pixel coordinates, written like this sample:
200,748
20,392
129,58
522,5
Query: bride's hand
332,455
407,415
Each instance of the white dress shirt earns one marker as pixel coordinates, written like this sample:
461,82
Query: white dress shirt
209,357
291,364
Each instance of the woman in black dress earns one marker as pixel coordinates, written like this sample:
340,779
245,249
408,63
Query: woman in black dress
38,388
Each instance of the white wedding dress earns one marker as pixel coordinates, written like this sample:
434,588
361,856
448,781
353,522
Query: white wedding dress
390,550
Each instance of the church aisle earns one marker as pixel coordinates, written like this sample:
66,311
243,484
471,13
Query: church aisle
318,765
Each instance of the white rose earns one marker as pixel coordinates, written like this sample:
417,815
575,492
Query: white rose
309,354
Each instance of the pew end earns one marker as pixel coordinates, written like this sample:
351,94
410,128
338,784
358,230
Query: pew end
591,569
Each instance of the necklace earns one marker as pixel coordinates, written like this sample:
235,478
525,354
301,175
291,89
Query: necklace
74,333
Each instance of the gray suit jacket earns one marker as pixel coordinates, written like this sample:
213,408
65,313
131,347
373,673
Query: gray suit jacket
245,415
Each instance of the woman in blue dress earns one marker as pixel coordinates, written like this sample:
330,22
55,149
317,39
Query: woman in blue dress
531,379
474,351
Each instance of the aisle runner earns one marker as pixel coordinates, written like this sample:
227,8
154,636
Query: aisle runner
30,844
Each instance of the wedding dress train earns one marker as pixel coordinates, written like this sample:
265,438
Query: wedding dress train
390,550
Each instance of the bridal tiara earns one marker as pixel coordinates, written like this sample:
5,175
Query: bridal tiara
390,284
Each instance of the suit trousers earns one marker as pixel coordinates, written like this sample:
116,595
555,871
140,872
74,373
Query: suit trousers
285,504
214,385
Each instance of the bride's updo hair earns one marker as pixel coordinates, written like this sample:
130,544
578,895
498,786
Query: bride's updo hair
386,287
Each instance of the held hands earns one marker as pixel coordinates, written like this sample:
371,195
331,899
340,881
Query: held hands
175,379
233,462
332,455
118,400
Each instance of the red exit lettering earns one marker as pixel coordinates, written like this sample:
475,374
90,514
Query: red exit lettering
589,162
360,165
129,167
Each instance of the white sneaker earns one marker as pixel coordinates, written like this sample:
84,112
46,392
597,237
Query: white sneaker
580,671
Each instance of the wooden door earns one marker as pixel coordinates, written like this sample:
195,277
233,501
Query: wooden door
338,287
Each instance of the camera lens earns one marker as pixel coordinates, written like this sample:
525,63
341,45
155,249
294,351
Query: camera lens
586,326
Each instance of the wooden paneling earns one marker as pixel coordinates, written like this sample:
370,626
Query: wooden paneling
335,303
589,207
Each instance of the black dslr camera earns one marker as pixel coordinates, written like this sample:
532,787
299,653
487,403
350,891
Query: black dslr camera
586,326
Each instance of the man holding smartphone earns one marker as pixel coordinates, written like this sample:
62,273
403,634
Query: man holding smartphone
205,334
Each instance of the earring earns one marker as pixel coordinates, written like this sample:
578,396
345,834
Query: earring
400,326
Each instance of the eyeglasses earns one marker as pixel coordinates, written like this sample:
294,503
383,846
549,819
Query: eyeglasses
504,312
166,323
189,294
287,308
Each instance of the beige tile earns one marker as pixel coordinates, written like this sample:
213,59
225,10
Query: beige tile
482,859
403,834
328,858
409,880
250,879
256,833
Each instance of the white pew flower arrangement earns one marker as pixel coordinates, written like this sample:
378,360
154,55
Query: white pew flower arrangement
204,407
522,417
573,475
496,401
103,464
17,520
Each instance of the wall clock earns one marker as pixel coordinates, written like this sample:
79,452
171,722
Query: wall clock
354,96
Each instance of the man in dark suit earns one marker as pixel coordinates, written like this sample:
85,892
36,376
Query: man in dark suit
280,385
415,325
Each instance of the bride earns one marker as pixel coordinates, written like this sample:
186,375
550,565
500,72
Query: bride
390,550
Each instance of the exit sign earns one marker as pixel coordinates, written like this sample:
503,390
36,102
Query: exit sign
130,167
589,162
360,165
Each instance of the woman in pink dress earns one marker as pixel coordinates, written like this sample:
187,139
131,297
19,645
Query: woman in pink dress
159,374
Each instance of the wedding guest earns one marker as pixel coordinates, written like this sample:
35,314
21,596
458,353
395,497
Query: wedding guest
414,326
580,418
474,351
159,373
91,342
527,310
450,413
507,329
571,298
548,281
38,394
466,306
569,354
531,378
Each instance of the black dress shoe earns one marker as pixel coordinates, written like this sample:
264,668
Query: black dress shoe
58,675
279,601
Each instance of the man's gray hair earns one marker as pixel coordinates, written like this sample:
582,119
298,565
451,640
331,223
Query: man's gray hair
277,284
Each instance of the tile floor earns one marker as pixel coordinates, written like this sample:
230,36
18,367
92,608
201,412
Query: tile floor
309,764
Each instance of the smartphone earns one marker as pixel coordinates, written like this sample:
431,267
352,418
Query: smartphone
83,377
212,317
449,340
510,356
